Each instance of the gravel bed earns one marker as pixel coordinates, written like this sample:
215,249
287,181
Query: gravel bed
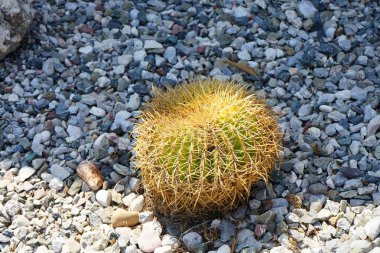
75,88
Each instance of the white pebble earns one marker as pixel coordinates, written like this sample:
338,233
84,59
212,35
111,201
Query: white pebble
104,197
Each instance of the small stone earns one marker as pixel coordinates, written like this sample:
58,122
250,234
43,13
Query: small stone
266,218
124,59
133,102
137,204
139,56
304,110
359,94
100,147
149,238
352,184
362,60
75,133
25,173
131,249
163,249
370,141
270,54
170,55
307,9
343,95
75,186
318,188
48,67
123,170
240,12
373,125
244,55
134,184
71,246
12,207
343,224
254,204
372,228
98,112
377,152
4,239
6,164
145,217
56,184
90,174
104,197
224,249
324,214
124,218
193,241
171,241
59,172
360,246
245,239
121,120
38,140
152,44
345,45
292,218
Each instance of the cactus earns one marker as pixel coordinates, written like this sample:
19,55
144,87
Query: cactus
200,146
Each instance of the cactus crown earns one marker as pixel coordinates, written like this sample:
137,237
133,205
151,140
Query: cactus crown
197,138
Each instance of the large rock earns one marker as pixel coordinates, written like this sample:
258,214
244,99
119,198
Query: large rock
15,19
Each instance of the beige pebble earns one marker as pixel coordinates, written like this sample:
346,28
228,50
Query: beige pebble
124,218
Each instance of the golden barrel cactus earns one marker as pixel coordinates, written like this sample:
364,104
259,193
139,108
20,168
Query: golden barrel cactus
200,146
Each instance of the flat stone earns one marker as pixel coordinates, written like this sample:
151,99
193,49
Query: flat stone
124,218
152,44
58,171
56,184
25,173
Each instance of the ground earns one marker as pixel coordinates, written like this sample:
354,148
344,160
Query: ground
73,91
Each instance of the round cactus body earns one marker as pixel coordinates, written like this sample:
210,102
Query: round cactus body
200,146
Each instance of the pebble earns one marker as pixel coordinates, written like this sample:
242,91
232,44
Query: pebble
373,125
133,102
59,172
163,249
74,132
372,228
152,44
149,239
307,9
98,112
139,56
38,140
12,207
121,218
224,249
104,197
193,241
25,173
56,183
90,174
86,50
137,204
